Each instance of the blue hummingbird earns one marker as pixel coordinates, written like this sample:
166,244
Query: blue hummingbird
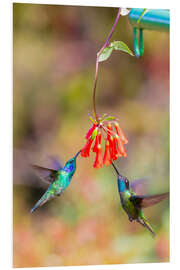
133,203
58,179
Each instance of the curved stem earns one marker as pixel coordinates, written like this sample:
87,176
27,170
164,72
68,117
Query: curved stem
110,34
94,91
97,62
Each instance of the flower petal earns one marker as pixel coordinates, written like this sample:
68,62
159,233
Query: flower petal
90,131
120,146
120,133
86,149
97,142
115,153
107,155
98,161
109,131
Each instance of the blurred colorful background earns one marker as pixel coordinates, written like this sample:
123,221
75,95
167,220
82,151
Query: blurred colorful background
54,50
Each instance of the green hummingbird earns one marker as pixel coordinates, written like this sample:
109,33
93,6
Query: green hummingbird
58,179
133,203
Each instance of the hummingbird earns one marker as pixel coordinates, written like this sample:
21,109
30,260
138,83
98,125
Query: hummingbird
58,179
133,203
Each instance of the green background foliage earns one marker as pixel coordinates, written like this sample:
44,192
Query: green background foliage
54,51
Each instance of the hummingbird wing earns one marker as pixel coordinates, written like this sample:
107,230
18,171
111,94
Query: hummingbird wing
146,201
139,186
55,163
46,174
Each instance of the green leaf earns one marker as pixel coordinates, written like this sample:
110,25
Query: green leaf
121,46
104,115
105,54
116,45
142,14
94,134
109,118
92,120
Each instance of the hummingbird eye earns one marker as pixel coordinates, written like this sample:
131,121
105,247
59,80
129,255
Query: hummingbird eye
127,183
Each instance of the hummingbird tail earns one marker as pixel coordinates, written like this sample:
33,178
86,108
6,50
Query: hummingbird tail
42,201
146,224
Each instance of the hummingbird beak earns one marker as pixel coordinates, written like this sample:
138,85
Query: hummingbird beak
77,155
116,170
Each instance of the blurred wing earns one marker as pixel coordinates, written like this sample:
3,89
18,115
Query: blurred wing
146,201
139,186
48,175
55,163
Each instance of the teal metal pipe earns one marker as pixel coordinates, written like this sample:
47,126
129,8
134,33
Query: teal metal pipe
138,42
153,19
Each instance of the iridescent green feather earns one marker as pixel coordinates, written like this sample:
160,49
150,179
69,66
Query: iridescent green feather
59,179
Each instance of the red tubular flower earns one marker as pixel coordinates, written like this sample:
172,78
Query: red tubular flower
115,140
107,160
120,146
115,153
97,142
90,131
109,139
86,149
109,130
112,147
120,133
98,161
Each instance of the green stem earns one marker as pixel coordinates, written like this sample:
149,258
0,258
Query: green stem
94,91
97,63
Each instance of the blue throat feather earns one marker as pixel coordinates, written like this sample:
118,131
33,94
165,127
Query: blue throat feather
121,185
69,169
